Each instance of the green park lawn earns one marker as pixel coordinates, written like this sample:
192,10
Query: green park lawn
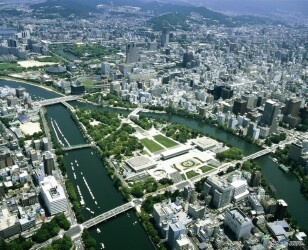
206,169
165,141
151,145
191,174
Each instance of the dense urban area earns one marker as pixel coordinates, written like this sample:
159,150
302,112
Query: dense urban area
151,125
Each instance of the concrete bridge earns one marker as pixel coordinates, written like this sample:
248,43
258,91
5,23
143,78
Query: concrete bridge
79,146
58,100
107,215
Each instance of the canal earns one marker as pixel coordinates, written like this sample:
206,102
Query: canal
286,185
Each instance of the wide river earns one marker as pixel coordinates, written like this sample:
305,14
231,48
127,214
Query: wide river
123,232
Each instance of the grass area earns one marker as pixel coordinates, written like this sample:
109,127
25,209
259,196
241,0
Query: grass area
48,59
151,145
9,66
206,169
87,82
183,176
191,174
165,141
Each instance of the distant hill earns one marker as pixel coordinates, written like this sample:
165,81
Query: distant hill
64,8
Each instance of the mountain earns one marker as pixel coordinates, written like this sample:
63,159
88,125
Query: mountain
63,8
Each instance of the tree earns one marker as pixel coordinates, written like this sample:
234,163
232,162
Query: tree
137,190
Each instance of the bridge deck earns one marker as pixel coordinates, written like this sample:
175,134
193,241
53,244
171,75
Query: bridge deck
107,215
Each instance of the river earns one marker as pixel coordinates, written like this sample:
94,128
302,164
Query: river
286,185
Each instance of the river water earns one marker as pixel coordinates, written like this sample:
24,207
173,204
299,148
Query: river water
115,232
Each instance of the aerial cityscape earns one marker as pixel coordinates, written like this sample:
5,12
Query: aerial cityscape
140,124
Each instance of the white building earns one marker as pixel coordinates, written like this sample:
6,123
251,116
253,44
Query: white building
237,222
53,195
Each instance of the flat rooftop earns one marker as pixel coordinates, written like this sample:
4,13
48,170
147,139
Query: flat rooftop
140,163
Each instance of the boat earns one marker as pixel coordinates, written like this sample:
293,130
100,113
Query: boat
97,230
272,188
88,209
75,161
102,246
275,160
91,153
284,168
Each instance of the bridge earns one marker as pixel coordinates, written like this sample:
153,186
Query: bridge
134,112
107,215
258,154
79,146
58,100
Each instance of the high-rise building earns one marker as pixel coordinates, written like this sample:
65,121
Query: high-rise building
270,115
6,159
131,52
239,107
165,37
105,68
292,107
176,229
53,195
226,93
238,222
255,178
281,209
291,112
49,162
220,190
12,43
187,58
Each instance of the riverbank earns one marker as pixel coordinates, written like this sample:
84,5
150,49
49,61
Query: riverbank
16,79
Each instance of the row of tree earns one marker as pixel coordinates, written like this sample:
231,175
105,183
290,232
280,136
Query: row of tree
51,229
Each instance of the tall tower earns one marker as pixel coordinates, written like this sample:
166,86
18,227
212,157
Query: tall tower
49,163
131,52
270,115
165,37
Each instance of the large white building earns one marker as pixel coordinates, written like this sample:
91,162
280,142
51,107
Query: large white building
238,222
53,195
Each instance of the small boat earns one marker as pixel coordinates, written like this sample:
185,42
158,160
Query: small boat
275,160
88,209
284,168
77,164
128,215
72,163
95,202
97,230
102,246
91,153
75,161
92,212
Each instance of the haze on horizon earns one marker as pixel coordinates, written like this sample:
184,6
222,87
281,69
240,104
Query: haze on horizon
251,6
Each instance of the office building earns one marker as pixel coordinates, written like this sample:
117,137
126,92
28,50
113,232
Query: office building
165,37
131,53
255,179
9,224
187,58
238,223
176,229
49,162
239,107
105,68
270,115
281,209
184,243
53,195
291,112
220,190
